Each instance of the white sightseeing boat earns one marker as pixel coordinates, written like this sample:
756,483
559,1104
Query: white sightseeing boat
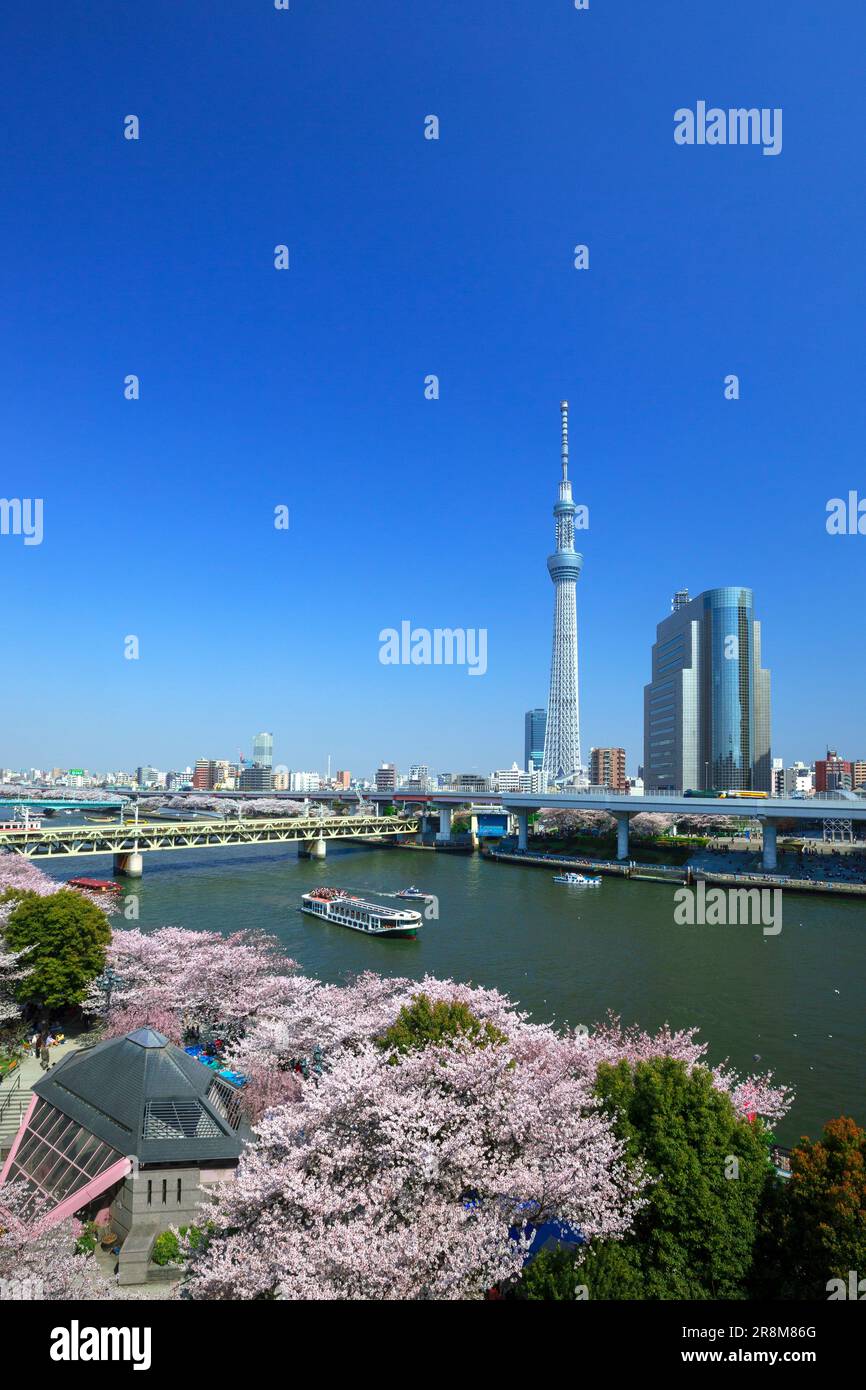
577,880
347,910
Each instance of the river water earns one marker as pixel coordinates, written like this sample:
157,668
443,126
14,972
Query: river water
566,954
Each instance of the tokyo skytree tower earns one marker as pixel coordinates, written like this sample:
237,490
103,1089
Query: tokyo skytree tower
562,738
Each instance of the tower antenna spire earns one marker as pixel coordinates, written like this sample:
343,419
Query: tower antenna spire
563,410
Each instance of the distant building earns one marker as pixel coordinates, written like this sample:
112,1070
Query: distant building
534,729
304,782
281,781
263,750
469,782
607,769
386,778
707,707
256,779
858,773
516,779
799,780
206,774
777,777
146,776
344,779
833,774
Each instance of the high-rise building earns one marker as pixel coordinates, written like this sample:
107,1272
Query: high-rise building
386,778
206,774
707,707
833,774
534,725
344,779
561,761
146,776
607,769
777,777
263,750
858,773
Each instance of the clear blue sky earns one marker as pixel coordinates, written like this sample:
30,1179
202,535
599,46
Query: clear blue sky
411,257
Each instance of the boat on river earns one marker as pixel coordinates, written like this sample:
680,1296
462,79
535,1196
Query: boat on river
347,910
577,880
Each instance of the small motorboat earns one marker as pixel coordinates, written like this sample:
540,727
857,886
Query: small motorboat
577,880
413,892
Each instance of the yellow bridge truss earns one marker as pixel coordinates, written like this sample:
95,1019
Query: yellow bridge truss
132,837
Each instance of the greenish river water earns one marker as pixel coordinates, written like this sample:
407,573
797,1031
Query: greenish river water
566,954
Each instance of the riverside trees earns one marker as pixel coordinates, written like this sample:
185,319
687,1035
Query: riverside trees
439,1127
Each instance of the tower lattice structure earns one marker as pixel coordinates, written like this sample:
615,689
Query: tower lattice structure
562,762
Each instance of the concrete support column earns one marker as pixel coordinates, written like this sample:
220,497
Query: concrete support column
129,863
522,829
444,831
769,857
317,848
622,820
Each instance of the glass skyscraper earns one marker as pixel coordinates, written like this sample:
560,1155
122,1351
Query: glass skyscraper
707,707
535,726
263,750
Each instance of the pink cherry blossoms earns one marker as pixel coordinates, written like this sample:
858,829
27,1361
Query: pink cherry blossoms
415,1180
37,1258
174,979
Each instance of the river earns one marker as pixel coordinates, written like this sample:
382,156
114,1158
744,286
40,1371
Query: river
566,954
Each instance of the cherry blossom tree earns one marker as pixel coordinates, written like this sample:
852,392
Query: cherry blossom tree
12,969
419,1177
175,980
647,824
340,1020
20,875
37,1257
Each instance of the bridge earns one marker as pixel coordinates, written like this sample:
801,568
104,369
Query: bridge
128,841
830,807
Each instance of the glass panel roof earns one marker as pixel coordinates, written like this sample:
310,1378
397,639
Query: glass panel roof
56,1156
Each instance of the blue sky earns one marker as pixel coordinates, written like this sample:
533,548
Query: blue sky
411,257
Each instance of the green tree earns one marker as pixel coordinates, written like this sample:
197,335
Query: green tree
67,937
815,1229
695,1237
423,1023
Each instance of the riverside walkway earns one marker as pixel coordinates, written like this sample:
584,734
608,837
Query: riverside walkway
687,873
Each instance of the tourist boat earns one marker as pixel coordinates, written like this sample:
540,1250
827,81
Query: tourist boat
21,823
580,880
95,885
336,905
414,892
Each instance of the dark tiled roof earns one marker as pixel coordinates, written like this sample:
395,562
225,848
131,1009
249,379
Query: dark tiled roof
117,1088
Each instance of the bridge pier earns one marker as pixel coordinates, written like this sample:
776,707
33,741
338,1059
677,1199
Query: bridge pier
444,831
769,857
522,829
129,863
622,820
312,849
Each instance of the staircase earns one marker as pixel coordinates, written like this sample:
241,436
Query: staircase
14,1100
